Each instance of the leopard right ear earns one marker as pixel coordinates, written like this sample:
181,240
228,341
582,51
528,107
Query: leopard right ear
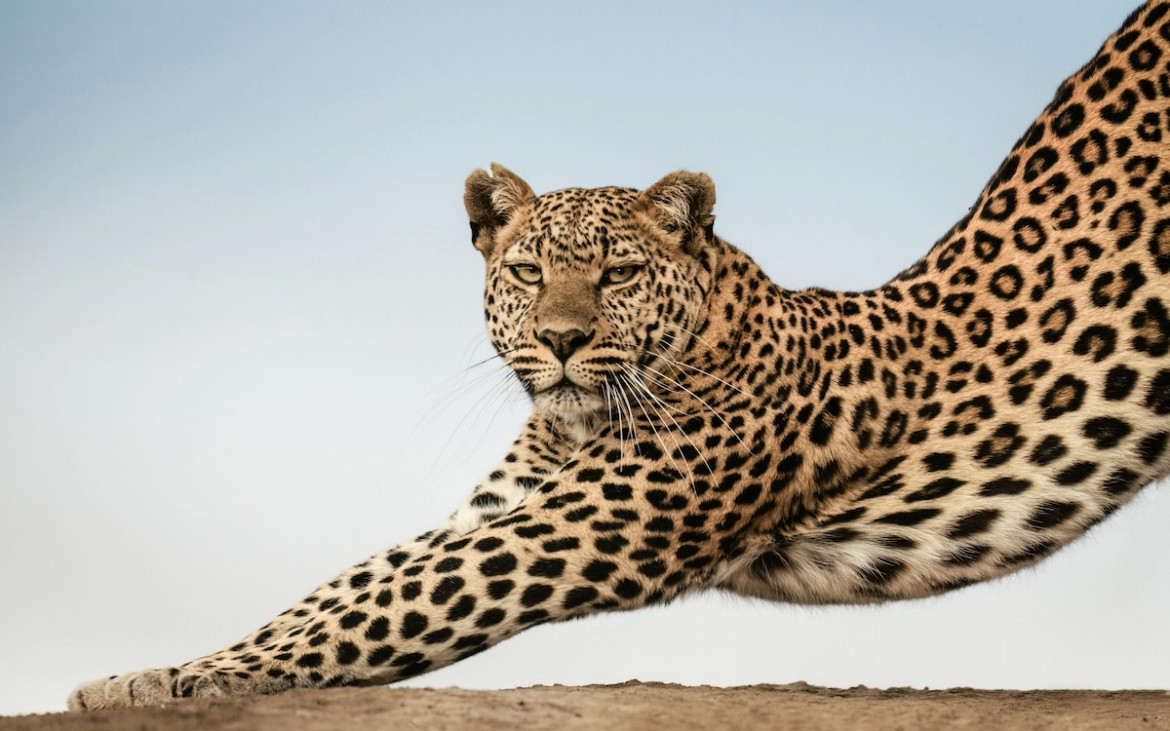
681,205
491,200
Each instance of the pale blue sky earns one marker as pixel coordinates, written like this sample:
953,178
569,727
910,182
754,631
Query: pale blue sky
236,297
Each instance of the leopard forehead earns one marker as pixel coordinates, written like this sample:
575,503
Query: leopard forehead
579,228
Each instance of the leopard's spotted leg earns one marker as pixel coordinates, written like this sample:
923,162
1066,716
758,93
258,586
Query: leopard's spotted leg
537,453
573,547
541,449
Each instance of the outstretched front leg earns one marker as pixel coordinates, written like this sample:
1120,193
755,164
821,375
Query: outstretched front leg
539,452
576,545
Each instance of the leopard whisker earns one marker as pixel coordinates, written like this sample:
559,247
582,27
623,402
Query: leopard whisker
499,354
665,411
444,402
500,394
668,382
657,435
488,397
702,372
625,398
694,335
607,394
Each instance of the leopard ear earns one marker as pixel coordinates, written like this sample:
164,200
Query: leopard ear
491,200
681,204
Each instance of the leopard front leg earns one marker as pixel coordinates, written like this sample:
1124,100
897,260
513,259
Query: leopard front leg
577,545
537,453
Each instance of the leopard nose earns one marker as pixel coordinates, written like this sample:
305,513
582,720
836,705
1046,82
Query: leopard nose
563,343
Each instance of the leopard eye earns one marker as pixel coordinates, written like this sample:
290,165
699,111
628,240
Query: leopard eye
526,273
620,275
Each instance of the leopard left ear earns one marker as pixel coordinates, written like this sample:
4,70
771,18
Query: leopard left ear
682,204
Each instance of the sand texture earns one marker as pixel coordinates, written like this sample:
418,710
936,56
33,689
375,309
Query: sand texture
636,705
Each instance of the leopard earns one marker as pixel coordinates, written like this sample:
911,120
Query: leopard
697,427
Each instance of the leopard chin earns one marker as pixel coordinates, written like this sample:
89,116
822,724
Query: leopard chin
579,410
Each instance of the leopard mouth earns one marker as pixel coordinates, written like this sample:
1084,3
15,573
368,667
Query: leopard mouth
564,385
567,389
569,400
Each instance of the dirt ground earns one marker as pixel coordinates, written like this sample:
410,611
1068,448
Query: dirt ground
635,705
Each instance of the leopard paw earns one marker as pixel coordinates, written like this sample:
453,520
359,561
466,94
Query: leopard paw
151,687
143,688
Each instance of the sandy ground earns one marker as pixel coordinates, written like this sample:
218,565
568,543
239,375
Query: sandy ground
636,705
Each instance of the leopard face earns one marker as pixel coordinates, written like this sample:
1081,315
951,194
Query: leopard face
588,292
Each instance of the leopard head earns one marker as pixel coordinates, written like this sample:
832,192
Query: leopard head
590,293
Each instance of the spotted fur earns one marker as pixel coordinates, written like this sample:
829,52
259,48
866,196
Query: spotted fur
695,426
